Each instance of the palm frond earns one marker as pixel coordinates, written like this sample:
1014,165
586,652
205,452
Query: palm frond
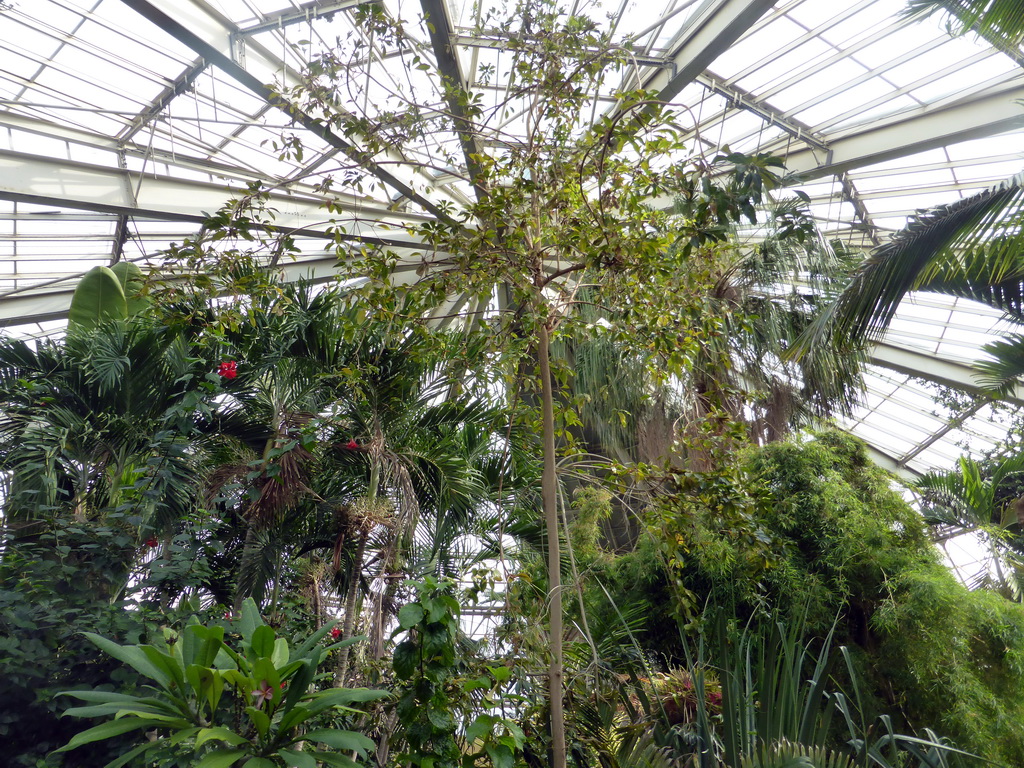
995,20
968,248
1001,373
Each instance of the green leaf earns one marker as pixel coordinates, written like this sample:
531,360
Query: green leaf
167,664
299,683
221,758
441,719
406,659
98,298
263,641
410,615
259,719
132,283
259,762
132,655
480,727
343,740
132,754
293,718
212,640
106,731
343,697
249,619
183,735
501,674
219,733
476,683
517,733
335,759
297,759
279,656
501,756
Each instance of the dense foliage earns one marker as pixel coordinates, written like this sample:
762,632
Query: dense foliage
207,489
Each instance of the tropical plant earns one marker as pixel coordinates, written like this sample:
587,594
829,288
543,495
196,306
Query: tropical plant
783,705
103,420
346,441
106,294
970,248
442,724
998,21
272,714
569,201
967,500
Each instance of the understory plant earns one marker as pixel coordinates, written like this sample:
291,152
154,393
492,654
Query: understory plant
212,706
450,712
785,701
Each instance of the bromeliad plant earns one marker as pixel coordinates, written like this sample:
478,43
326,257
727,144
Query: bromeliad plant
217,707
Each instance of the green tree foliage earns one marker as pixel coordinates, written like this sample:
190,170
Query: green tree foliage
812,529
566,202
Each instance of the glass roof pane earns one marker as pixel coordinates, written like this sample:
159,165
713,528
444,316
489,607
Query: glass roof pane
102,112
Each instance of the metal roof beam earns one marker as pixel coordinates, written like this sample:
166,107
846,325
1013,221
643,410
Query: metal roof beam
211,36
973,117
306,12
64,183
95,141
890,463
933,368
37,305
181,83
456,94
708,33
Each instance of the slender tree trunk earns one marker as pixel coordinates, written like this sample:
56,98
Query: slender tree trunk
549,498
351,598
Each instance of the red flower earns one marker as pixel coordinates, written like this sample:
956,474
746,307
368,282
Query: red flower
352,445
228,616
336,633
228,369
152,542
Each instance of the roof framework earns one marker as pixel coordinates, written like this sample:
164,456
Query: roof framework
123,122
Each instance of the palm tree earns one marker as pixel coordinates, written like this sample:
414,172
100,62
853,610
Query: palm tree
968,500
1001,22
417,462
102,421
970,248
344,437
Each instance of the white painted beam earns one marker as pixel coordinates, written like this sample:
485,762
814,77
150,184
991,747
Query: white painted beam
707,34
973,117
82,186
949,373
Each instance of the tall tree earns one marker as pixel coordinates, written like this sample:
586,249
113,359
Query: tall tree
566,198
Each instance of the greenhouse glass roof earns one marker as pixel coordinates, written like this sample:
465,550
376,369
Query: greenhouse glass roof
122,122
